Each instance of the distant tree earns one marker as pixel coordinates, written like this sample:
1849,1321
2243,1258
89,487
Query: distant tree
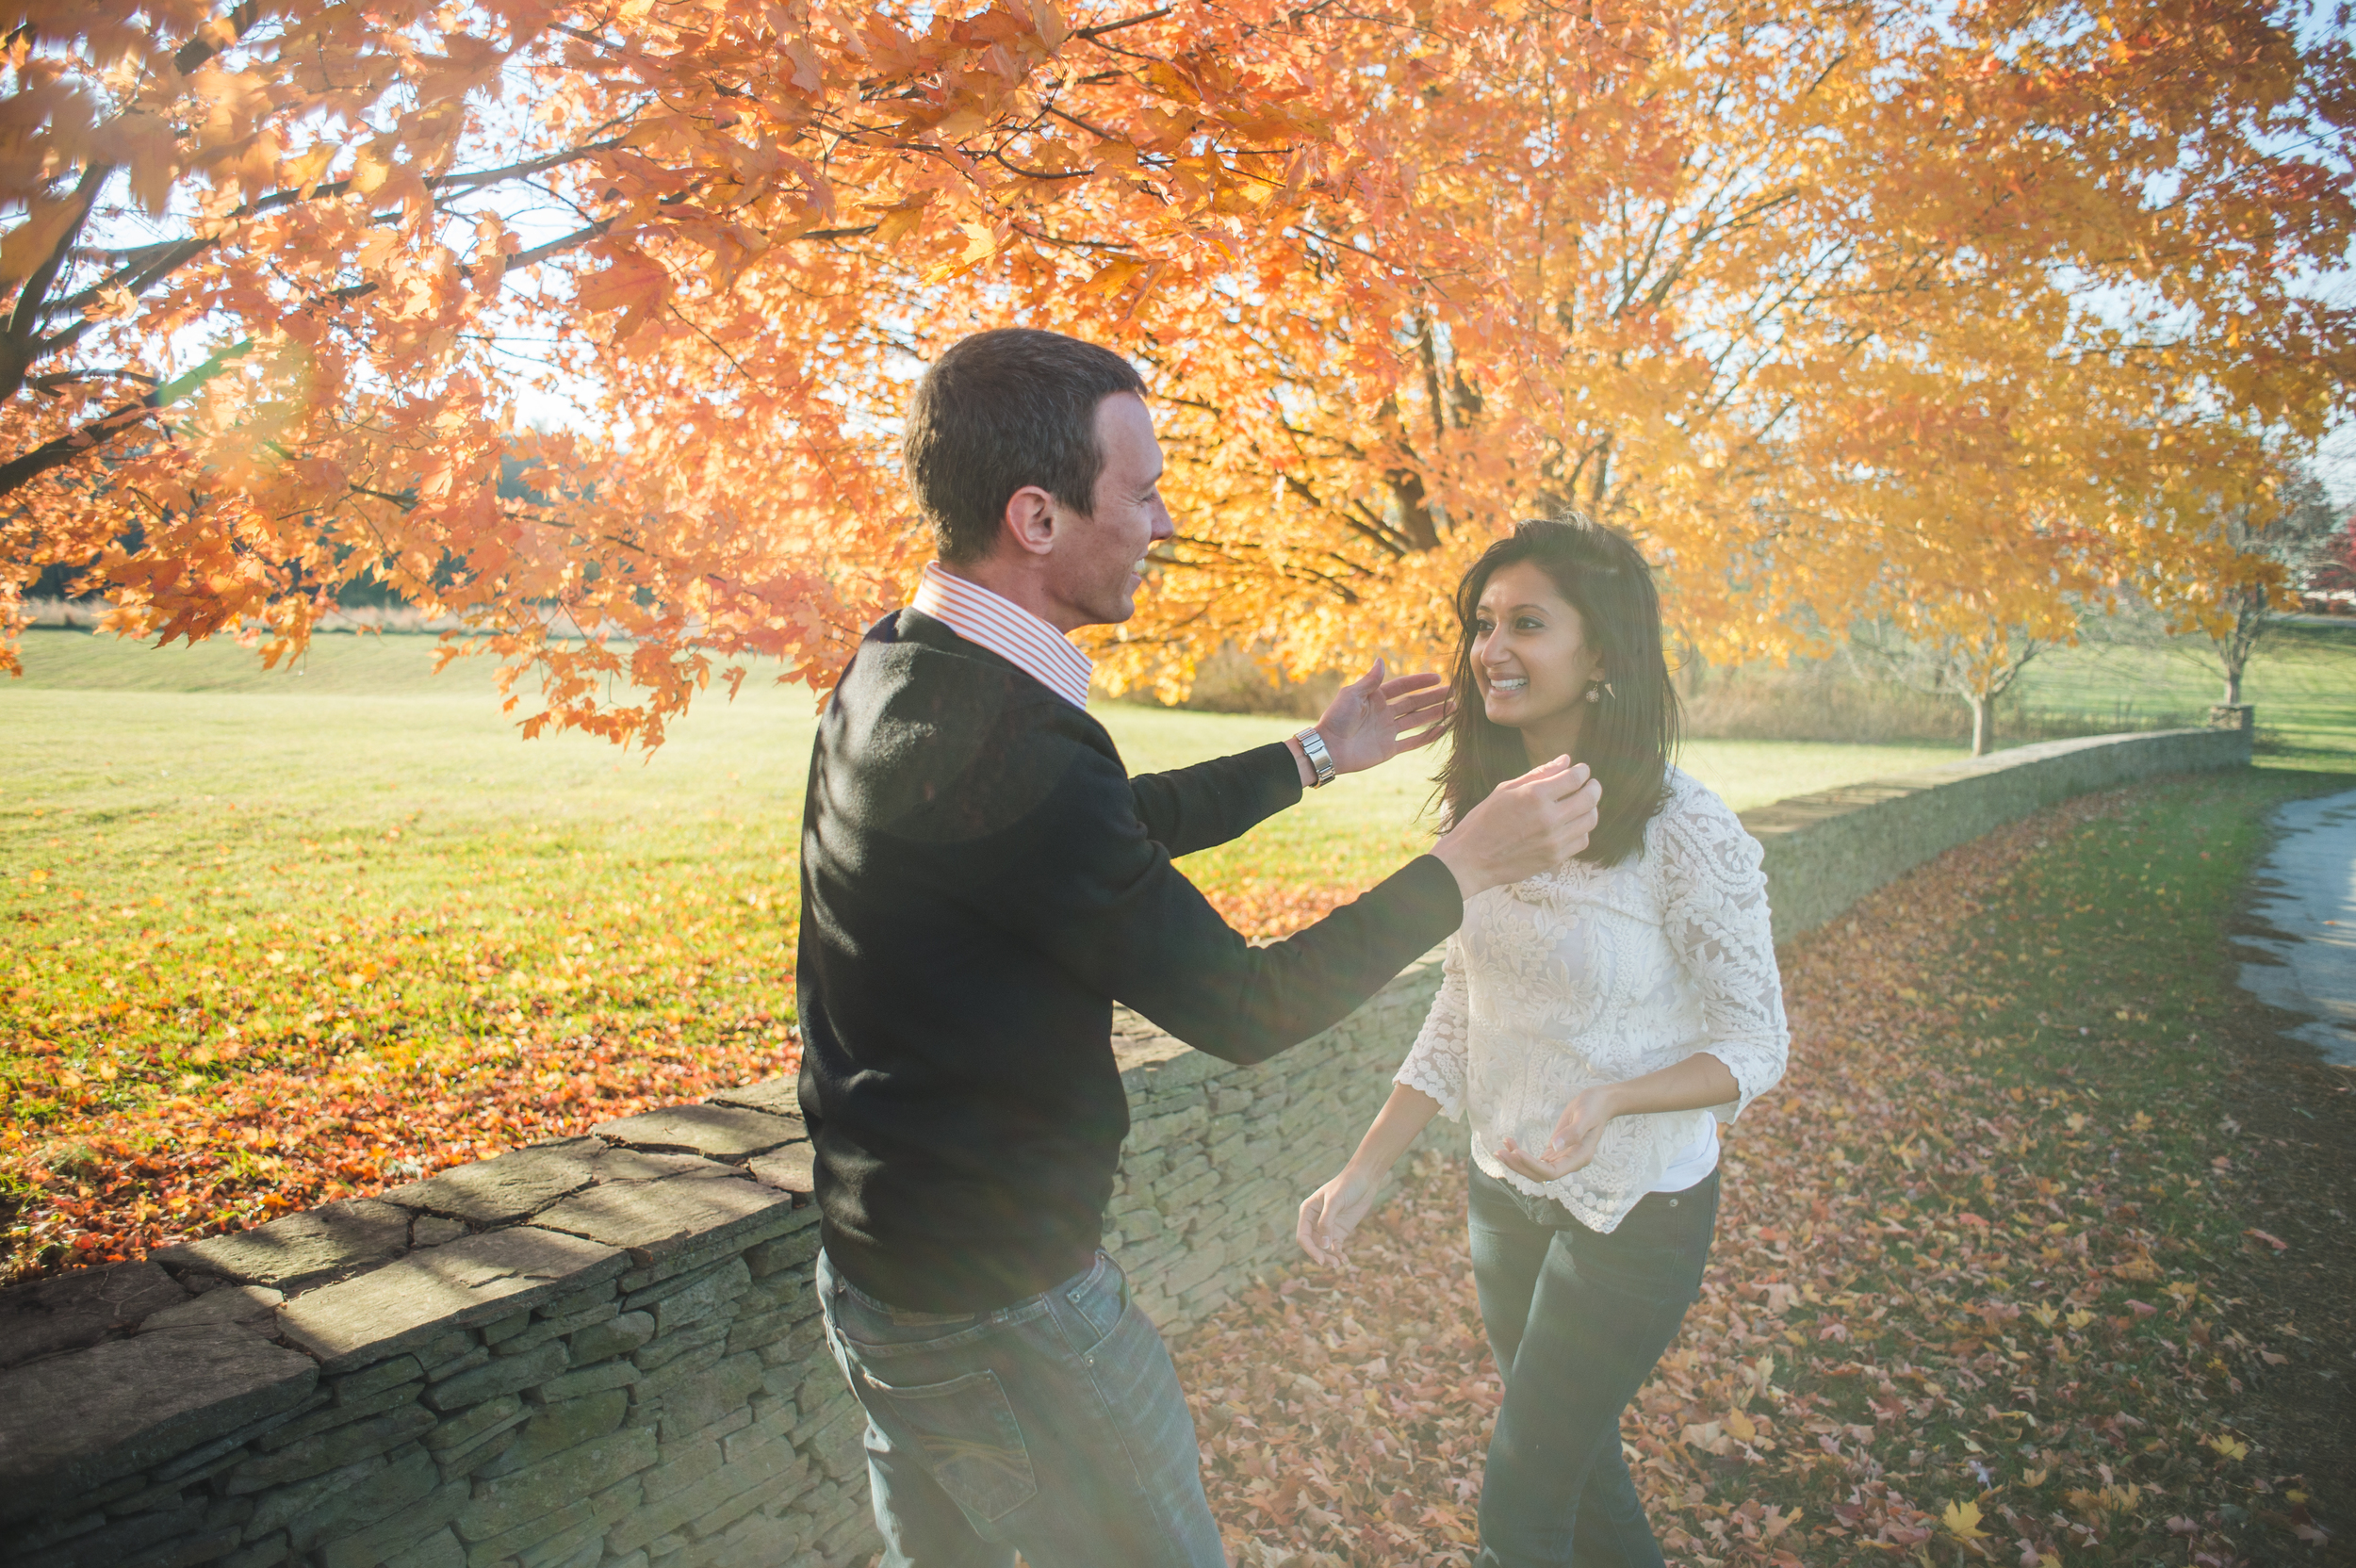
2333,570
2261,549
1976,665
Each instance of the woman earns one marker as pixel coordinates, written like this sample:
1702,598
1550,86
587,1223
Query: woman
1597,1023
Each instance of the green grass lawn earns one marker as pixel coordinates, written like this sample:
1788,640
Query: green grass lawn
2302,680
193,775
268,937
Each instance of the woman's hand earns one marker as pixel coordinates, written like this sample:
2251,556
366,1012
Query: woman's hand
1331,1213
1577,1136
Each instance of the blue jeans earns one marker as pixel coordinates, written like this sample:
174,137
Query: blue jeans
1577,1319
1055,1425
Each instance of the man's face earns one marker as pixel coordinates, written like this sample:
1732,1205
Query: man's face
1098,561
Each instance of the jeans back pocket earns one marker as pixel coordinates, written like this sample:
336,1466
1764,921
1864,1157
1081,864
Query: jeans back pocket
966,1430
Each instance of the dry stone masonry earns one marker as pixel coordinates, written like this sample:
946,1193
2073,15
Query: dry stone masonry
602,1348
605,1352
1826,851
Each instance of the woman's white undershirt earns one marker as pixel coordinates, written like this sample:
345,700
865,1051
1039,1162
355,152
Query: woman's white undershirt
1688,1166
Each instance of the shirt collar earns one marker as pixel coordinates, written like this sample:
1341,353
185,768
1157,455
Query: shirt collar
1007,629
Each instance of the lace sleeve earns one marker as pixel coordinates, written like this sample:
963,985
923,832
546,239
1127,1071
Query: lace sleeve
1716,922
1436,1063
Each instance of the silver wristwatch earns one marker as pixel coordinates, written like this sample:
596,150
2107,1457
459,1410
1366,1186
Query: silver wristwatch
1320,760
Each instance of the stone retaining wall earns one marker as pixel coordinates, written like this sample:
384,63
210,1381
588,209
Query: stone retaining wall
1826,851
604,1352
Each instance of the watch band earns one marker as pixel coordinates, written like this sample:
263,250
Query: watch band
1320,760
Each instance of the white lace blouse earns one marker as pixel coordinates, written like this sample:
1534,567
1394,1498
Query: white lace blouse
1590,975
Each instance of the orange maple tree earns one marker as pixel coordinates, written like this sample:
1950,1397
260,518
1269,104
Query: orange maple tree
1805,297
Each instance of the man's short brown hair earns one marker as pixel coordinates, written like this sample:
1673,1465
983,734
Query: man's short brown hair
1001,410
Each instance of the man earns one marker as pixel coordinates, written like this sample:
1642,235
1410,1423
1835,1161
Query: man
981,881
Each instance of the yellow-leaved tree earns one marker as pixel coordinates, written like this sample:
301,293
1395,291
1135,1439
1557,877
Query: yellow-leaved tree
1836,305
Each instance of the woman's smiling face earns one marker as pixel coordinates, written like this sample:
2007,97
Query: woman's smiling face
1529,650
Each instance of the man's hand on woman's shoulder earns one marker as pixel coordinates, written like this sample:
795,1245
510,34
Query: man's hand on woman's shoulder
1527,826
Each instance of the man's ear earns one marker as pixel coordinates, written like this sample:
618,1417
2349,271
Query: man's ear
1029,522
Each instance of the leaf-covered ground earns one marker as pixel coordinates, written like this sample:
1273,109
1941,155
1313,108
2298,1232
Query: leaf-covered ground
204,1074
199,1075
1985,1287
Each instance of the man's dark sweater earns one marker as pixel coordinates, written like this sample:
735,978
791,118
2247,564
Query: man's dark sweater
981,881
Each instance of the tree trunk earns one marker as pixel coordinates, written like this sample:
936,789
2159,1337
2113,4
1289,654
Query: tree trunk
1983,723
2250,609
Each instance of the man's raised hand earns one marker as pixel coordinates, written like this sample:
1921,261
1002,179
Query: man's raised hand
1527,825
1373,719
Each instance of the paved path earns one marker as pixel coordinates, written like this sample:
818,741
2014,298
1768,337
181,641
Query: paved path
2307,893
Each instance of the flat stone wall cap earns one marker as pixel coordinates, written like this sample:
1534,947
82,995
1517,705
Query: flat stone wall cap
717,1132
404,1305
1795,813
74,1310
636,1164
777,1095
791,1169
247,1304
507,1187
71,1423
655,1220
302,1250
432,1230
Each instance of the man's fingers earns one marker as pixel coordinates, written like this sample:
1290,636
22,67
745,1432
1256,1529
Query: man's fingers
1425,737
1418,700
1584,795
1548,771
1399,686
1405,716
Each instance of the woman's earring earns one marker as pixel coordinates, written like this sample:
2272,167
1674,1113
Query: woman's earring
1594,691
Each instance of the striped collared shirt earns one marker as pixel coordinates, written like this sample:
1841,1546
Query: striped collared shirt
1007,629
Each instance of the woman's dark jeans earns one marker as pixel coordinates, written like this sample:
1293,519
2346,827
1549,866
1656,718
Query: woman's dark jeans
1577,1319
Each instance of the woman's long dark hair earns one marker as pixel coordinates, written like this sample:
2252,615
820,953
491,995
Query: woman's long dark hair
1630,734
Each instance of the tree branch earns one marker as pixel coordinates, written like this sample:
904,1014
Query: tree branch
25,467
19,346
223,34
1103,27
161,259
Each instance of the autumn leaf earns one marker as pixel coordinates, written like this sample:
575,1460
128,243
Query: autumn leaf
1115,275
631,283
1962,1521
